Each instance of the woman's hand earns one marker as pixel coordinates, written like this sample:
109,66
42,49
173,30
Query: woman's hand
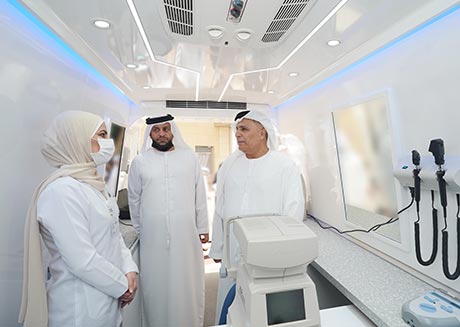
128,297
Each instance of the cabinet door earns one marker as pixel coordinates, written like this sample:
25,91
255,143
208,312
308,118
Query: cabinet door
132,314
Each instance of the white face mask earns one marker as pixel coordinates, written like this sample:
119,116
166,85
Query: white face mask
105,153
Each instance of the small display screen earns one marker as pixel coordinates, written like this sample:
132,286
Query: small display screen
285,307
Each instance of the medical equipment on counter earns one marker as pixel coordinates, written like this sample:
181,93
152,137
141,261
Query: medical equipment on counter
434,215
272,287
433,309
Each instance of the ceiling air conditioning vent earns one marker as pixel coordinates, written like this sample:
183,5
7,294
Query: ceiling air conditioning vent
284,18
206,105
180,16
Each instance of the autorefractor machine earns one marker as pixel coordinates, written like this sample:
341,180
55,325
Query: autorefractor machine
272,286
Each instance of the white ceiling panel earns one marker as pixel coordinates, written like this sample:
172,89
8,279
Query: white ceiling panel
175,56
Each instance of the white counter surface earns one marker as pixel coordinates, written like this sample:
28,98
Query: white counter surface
373,285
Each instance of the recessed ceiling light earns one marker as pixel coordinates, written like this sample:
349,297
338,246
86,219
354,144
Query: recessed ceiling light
101,23
215,32
131,66
146,87
333,43
243,35
293,74
271,92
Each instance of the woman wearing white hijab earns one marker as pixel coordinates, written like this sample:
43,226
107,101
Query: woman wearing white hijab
92,274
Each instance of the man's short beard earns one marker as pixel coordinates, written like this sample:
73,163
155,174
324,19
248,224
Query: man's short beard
162,147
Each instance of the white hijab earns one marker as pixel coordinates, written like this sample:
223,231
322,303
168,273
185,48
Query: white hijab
177,141
66,144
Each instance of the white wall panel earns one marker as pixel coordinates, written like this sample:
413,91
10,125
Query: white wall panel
419,77
39,77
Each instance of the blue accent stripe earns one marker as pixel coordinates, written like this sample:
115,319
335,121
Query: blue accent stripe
56,42
369,56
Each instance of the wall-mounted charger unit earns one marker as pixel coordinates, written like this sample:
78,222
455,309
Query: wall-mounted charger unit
428,169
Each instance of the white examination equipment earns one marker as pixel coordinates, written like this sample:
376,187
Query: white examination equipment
272,287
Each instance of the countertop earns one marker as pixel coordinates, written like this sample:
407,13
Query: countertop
373,285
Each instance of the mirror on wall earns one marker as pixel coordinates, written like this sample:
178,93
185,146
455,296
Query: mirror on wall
112,168
363,138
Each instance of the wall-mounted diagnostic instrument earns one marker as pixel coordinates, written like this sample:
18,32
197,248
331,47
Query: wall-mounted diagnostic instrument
441,176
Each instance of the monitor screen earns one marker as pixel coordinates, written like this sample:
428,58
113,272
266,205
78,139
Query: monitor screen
112,168
285,307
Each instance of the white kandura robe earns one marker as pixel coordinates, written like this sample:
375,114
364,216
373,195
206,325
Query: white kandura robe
270,184
88,257
167,202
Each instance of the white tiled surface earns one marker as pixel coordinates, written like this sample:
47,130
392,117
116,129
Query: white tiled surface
373,285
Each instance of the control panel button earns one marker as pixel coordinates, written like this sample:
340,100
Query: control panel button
427,307
447,308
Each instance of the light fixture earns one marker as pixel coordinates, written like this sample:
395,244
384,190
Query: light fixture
333,43
132,66
270,92
215,32
293,74
243,35
101,23
146,87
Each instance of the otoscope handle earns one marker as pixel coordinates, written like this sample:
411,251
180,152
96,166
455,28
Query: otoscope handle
417,181
442,187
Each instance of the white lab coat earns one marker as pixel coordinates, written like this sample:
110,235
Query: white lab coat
88,258
270,184
167,202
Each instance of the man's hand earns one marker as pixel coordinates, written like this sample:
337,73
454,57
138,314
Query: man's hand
128,297
204,238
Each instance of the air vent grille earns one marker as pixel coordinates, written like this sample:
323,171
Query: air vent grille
180,16
284,18
206,105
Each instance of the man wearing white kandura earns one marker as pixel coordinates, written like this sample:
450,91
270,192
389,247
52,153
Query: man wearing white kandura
167,202
254,180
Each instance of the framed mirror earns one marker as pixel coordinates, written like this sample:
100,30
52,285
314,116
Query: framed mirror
363,139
